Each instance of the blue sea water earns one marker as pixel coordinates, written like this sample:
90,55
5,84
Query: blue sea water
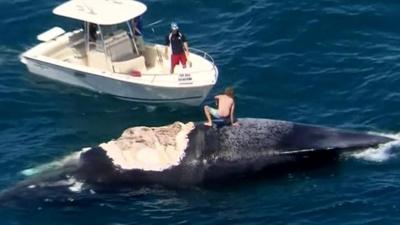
326,62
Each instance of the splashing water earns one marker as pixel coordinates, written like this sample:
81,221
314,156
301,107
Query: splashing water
383,152
76,186
70,159
150,108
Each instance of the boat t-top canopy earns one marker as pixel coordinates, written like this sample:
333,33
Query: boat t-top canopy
102,12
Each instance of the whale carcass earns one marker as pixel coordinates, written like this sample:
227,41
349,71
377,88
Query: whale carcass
190,154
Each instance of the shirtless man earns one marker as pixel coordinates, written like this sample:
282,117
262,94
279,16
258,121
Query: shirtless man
226,107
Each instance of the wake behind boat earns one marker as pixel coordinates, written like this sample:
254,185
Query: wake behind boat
112,62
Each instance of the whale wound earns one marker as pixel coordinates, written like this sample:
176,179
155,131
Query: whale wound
151,149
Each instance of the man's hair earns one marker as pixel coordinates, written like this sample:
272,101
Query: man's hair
229,92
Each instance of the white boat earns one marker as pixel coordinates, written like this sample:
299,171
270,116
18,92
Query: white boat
112,63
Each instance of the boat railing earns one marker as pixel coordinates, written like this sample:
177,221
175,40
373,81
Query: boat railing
203,54
208,57
198,52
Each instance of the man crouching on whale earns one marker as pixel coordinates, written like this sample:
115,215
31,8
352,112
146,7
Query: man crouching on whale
226,108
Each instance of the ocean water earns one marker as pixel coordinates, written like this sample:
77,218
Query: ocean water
329,62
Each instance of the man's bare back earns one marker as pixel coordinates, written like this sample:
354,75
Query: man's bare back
224,105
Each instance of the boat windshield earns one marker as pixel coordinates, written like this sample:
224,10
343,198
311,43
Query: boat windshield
118,37
111,30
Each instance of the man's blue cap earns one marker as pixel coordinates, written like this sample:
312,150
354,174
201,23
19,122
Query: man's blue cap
174,26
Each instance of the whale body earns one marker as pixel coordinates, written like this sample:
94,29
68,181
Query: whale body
218,153
190,154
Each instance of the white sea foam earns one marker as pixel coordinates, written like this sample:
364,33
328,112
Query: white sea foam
151,108
381,153
70,182
68,160
76,186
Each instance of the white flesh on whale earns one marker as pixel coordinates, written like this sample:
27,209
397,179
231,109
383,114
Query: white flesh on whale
150,149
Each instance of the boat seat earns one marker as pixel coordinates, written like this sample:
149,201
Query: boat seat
119,47
153,55
98,60
76,38
128,66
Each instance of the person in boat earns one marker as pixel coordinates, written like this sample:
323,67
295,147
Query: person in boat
93,32
179,46
226,108
138,33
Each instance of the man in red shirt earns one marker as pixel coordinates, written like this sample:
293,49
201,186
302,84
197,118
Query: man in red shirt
179,47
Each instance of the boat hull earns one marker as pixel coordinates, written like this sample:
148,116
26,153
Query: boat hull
122,89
